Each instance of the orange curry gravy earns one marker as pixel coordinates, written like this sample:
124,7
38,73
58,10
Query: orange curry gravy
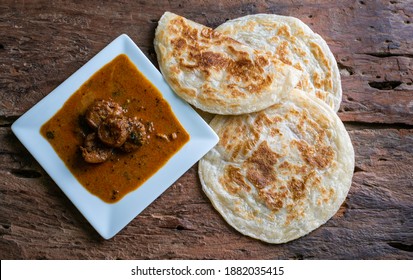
122,82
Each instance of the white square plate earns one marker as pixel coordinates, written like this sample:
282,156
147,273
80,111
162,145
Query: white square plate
108,219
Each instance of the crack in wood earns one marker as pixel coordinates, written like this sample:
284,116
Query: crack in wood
346,68
401,246
26,173
385,85
6,121
387,54
178,228
302,257
355,125
358,169
6,225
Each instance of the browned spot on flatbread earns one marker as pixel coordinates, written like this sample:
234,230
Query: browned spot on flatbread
297,188
239,149
179,43
313,130
317,156
326,196
295,212
288,168
321,94
319,55
317,80
284,53
211,59
260,166
301,52
262,61
209,33
275,131
284,31
261,121
238,129
272,198
243,148
322,82
233,181
298,66
242,67
189,32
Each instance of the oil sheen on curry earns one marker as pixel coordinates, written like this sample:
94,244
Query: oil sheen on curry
115,131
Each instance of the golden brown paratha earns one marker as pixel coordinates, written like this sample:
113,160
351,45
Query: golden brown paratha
294,43
216,73
280,173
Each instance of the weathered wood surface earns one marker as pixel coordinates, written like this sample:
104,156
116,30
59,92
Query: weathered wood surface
43,42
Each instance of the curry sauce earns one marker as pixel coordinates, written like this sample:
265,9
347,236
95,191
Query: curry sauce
122,82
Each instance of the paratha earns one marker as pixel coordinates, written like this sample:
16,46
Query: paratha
280,173
216,73
294,43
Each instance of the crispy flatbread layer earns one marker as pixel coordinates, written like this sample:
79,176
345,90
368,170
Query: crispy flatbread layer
280,173
216,73
294,43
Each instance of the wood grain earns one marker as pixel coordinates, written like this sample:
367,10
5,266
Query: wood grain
44,42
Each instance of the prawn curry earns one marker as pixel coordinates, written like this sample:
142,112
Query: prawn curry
115,131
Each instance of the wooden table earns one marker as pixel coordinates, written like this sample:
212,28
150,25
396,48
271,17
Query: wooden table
44,42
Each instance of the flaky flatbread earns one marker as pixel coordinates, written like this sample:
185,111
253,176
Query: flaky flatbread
216,73
294,43
280,173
